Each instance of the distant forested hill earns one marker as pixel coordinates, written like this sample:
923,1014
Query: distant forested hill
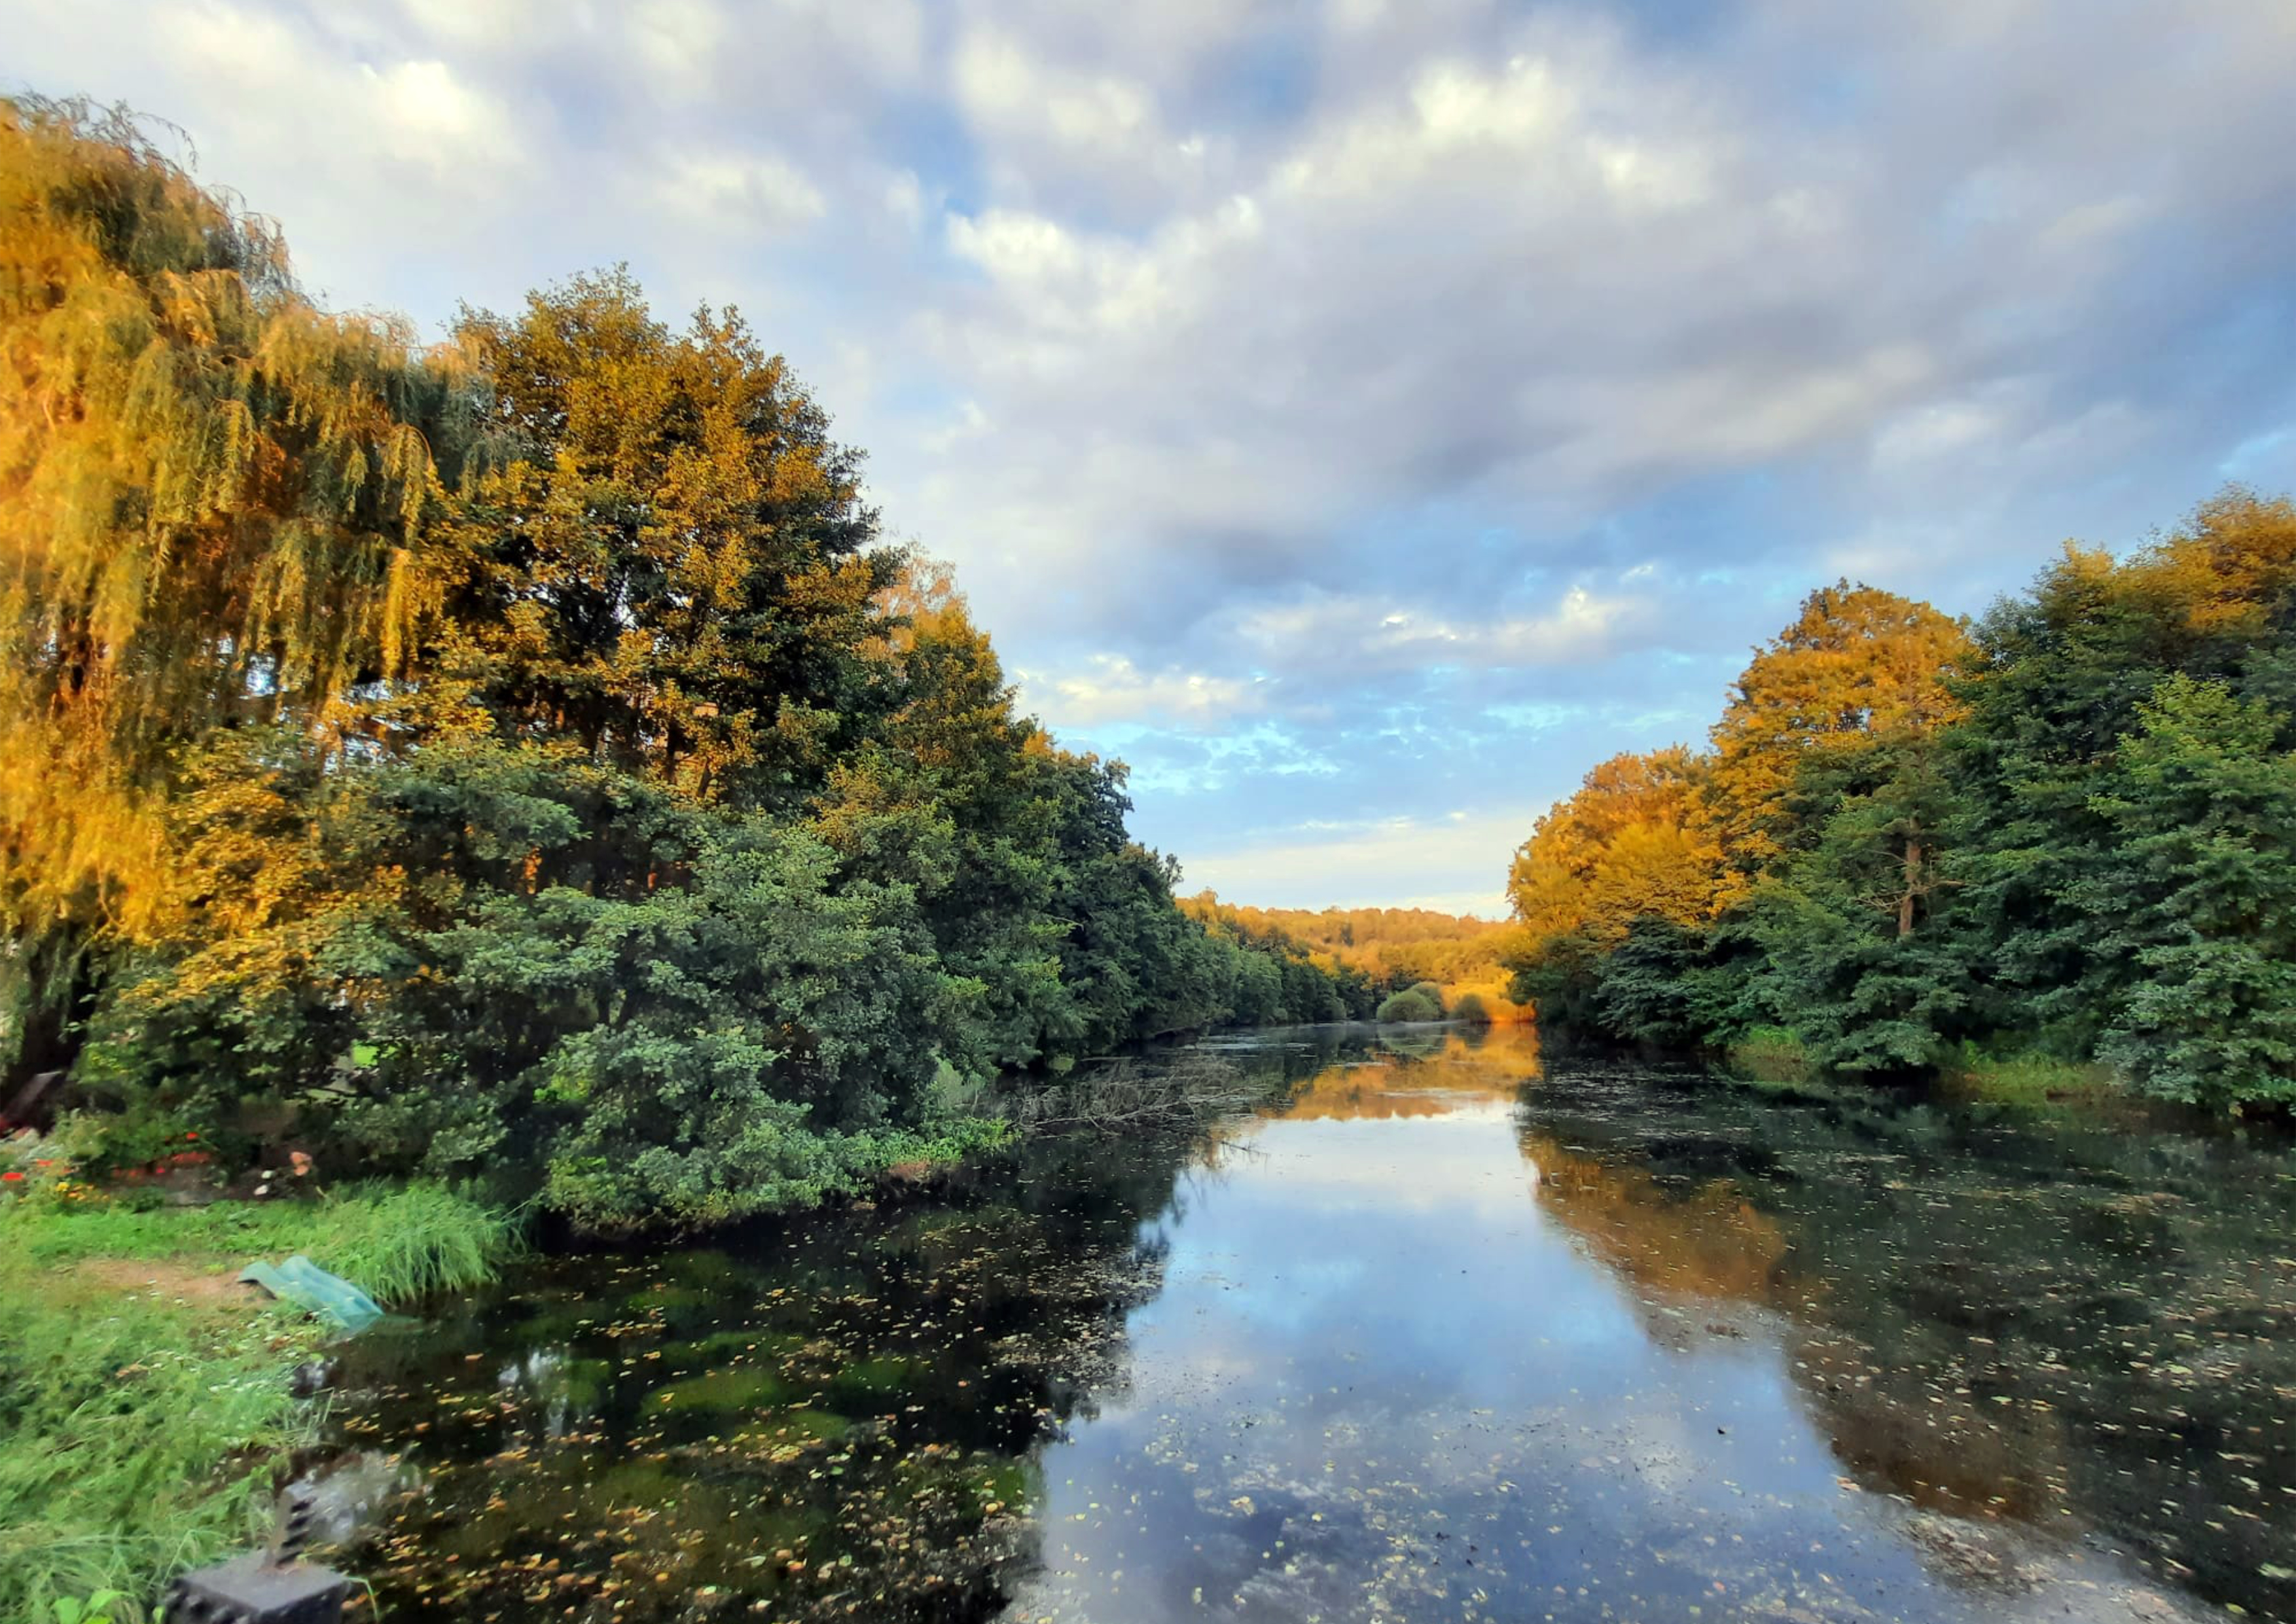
1392,948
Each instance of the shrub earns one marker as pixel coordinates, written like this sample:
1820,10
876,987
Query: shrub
1471,1009
1771,1054
1410,1004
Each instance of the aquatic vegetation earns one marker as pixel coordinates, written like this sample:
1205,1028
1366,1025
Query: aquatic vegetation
2029,1079
728,1388
1192,1085
1770,1054
878,1376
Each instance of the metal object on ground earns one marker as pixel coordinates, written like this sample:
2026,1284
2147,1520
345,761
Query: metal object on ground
295,1508
254,1590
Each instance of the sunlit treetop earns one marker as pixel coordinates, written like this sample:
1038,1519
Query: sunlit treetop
1856,664
208,489
660,551
1632,843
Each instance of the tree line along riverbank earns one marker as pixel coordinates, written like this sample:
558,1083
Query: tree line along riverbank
2053,847
518,756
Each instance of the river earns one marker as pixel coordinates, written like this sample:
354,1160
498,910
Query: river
1449,1330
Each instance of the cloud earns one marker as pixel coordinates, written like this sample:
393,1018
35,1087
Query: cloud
1456,861
1361,635
1089,123
1112,689
747,190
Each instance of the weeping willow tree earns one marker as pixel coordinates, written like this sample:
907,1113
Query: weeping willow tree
212,499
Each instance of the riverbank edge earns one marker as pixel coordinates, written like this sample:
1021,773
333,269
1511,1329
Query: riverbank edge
1774,1055
147,1398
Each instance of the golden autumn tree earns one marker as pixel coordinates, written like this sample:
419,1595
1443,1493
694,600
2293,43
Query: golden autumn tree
666,554
2227,574
1633,843
1858,667
208,493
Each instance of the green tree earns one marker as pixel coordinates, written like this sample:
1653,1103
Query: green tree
2060,678
1410,1004
2199,893
662,553
1854,958
496,956
524,755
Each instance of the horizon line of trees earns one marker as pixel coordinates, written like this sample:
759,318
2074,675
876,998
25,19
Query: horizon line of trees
1393,948
520,752
2065,829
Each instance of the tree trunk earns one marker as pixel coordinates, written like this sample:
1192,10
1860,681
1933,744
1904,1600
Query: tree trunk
54,1023
1912,883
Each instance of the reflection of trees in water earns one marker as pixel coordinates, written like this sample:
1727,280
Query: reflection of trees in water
1895,1429
840,1411
2067,1328
1706,1244
1701,1243
1409,1074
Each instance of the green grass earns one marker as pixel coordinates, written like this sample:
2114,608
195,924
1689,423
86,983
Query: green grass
398,1244
2029,1080
1770,1054
144,1405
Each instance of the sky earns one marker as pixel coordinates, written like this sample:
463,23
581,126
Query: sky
1360,416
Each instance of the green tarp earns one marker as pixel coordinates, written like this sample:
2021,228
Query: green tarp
307,1285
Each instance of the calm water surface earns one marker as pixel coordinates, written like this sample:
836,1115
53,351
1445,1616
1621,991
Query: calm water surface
1445,1332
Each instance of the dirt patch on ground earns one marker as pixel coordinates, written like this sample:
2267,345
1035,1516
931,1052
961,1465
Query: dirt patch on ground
205,1288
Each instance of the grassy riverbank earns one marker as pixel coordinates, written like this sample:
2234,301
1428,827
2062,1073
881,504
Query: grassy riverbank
143,1396
1774,1057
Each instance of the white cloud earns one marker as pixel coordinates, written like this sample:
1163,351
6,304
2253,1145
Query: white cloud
1112,689
1381,634
743,190
733,58
433,117
493,26
1001,87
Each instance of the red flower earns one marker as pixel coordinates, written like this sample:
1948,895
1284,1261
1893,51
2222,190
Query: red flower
11,1178
191,1135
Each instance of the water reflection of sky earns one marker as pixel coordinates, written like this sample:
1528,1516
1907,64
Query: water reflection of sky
1382,1381
1419,1342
